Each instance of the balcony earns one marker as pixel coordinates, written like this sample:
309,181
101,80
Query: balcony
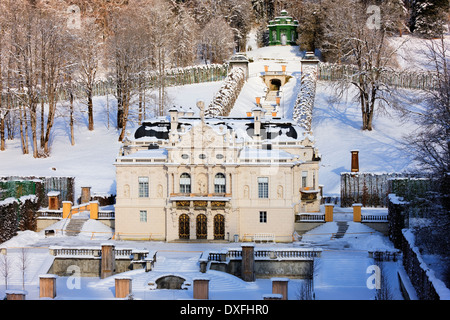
309,194
200,201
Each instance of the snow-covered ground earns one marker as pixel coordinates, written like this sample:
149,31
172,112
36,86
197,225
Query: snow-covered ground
342,269
340,273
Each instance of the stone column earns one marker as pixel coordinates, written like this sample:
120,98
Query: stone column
67,207
85,194
108,261
122,287
357,212
93,208
53,200
47,286
280,286
248,262
201,288
329,212
355,160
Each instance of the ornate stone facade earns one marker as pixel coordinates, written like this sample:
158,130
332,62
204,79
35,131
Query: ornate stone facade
188,177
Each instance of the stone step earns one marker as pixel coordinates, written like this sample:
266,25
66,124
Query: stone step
75,226
342,228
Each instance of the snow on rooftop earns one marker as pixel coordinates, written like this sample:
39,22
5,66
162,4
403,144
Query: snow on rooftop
263,154
147,154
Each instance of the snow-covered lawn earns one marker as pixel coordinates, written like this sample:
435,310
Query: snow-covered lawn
340,273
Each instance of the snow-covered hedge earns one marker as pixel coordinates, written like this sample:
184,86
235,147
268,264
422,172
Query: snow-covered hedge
424,280
390,77
304,103
224,100
17,214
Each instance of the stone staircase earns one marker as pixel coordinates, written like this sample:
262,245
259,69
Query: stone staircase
75,225
342,228
269,103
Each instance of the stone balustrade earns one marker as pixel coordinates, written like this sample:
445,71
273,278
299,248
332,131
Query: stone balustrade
262,254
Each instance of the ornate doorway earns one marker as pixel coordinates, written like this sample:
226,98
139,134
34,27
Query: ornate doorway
202,228
219,227
183,227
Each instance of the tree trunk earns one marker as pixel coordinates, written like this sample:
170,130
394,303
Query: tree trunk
90,108
50,121
33,121
119,104
72,134
23,129
42,122
125,116
2,133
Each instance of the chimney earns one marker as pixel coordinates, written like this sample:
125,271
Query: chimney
355,160
257,114
85,194
173,112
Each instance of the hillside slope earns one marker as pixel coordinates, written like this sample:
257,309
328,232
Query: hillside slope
336,127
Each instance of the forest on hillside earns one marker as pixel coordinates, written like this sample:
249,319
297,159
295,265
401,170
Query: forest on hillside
48,46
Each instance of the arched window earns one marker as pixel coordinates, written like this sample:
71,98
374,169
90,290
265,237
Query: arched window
219,183
185,183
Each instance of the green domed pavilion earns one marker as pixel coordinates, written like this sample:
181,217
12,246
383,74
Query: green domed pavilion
283,30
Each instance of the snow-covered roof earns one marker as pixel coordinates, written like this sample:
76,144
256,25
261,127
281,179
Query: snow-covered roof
252,153
147,154
277,129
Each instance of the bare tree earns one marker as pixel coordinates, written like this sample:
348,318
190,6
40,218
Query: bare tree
3,109
216,41
430,144
125,57
357,36
306,287
5,268
23,264
87,52
384,292
184,38
160,20
56,61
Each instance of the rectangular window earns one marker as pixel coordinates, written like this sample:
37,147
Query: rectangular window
263,216
143,187
143,215
263,188
304,179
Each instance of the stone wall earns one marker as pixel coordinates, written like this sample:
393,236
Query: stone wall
89,267
417,274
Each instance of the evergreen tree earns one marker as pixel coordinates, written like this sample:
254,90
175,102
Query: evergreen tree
428,17
310,29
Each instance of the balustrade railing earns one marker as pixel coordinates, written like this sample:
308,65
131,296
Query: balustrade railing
300,217
262,254
106,214
50,213
120,253
374,218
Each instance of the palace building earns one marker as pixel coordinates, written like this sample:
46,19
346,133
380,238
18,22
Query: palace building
190,177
